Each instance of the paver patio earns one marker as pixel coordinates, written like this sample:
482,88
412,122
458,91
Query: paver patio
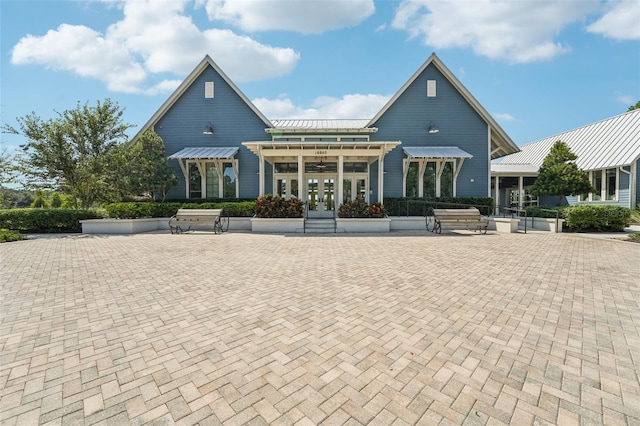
240,328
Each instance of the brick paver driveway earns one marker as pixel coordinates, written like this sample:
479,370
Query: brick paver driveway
349,329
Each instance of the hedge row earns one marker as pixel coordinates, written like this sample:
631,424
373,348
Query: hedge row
596,218
413,206
132,210
45,220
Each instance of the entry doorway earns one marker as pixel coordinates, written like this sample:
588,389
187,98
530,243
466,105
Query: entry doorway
321,190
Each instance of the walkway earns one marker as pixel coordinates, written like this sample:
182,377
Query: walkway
406,328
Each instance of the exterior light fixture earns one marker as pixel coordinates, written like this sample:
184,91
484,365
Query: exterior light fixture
433,128
208,129
321,165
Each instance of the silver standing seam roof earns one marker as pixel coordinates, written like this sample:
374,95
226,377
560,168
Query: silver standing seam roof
205,153
436,152
613,142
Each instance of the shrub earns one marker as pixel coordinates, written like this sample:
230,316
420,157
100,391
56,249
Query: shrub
359,208
45,220
133,210
414,206
40,200
541,211
270,206
8,236
597,218
56,201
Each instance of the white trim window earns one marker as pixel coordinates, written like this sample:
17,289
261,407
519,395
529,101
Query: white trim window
429,178
212,179
606,182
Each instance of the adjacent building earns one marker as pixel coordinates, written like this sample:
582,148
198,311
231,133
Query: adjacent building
608,150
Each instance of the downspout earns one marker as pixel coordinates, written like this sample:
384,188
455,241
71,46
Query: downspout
632,186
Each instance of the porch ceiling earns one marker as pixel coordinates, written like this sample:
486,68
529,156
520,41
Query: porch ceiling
320,149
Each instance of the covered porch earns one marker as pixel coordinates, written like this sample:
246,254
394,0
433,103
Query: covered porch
323,174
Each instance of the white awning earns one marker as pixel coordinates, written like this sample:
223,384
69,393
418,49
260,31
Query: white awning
435,152
208,153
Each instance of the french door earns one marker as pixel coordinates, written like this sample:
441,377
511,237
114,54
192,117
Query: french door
321,190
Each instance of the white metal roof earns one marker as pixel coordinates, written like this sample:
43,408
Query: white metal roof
321,123
436,152
205,153
608,143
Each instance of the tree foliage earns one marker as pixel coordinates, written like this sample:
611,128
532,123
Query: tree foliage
559,175
69,151
141,168
636,106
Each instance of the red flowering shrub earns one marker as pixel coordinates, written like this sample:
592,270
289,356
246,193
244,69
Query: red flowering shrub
359,208
270,206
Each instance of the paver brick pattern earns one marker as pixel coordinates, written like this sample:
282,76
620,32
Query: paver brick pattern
240,328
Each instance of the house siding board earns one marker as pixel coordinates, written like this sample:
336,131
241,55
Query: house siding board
408,118
233,122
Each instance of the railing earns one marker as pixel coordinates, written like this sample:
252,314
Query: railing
518,211
485,210
305,217
335,222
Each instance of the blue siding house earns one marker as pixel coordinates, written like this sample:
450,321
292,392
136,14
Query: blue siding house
432,138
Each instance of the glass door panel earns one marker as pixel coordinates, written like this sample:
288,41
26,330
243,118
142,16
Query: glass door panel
347,193
328,198
312,194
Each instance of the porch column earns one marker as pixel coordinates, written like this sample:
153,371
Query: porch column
497,194
340,182
520,191
261,174
381,178
302,193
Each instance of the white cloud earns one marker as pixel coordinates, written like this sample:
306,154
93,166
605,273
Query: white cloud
349,106
153,37
516,31
503,116
307,17
625,99
620,22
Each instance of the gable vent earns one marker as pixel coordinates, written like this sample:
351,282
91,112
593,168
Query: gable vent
431,88
208,89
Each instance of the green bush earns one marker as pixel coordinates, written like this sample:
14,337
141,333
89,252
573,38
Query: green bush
414,206
541,211
8,236
45,220
132,210
596,218
270,206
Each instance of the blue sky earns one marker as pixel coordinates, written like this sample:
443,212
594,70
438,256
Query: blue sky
539,67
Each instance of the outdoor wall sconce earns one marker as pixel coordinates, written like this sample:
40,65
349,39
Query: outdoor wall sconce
208,129
321,165
433,128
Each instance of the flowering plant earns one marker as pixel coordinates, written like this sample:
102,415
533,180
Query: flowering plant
358,208
270,206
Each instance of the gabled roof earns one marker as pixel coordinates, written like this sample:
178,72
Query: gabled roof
202,66
608,143
501,143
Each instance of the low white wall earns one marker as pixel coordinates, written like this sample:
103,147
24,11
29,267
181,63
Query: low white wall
361,225
400,223
136,226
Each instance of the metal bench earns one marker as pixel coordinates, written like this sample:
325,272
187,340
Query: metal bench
455,218
184,219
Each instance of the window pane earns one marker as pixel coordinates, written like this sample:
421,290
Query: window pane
195,183
446,181
229,181
281,187
429,180
347,195
412,180
359,167
611,184
212,181
294,188
597,183
361,188
286,168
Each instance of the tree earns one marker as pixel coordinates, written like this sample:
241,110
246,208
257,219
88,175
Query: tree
560,176
142,168
69,152
636,106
